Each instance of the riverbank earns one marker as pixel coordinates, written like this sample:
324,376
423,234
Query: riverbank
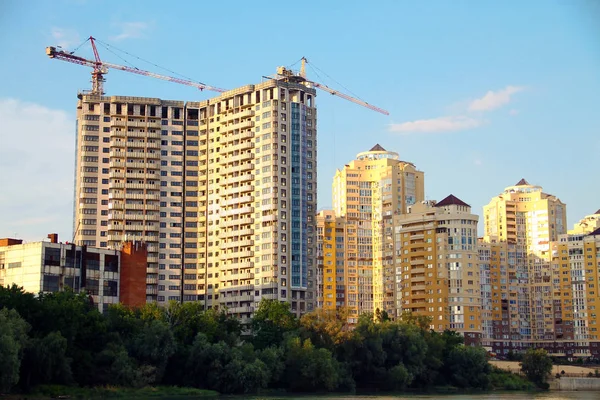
515,366
101,393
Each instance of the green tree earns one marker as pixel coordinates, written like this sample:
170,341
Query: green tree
308,369
13,338
152,348
273,359
45,361
271,321
325,328
218,366
537,366
469,367
81,324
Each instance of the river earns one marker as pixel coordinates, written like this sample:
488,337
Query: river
489,396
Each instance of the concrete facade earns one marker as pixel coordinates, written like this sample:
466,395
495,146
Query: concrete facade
437,266
367,193
223,191
52,267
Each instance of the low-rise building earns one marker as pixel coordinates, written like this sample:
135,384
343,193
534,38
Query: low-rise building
52,267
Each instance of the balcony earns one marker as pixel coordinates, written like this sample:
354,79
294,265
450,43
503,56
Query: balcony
238,200
115,205
237,310
239,298
115,215
116,195
114,238
247,145
246,125
117,164
117,154
237,189
117,133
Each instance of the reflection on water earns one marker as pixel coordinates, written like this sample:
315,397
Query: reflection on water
490,396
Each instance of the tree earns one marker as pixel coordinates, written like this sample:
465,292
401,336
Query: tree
45,361
13,338
308,369
271,320
152,348
325,328
537,366
469,367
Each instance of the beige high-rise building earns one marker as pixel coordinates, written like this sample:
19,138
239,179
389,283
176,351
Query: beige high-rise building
576,267
505,296
527,219
437,266
223,191
367,193
587,224
336,286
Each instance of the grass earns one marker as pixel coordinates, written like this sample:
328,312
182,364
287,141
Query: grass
111,392
506,380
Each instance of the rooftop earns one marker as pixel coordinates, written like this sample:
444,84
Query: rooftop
451,200
522,182
595,233
377,147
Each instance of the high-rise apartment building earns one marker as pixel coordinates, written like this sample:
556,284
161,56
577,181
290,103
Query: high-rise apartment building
367,193
223,191
576,267
587,224
437,266
571,312
336,285
520,225
505,296
530,219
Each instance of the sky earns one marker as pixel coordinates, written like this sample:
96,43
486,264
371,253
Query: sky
480,93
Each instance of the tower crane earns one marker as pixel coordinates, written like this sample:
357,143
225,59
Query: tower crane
100,68
284,73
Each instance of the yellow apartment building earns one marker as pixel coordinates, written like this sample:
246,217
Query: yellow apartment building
437,267
528,220
587,224
576,263
337,285
367,193
505,296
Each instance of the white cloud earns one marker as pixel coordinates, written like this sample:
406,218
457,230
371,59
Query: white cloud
441,124
493,100
65,38
37,161
130,30
490,101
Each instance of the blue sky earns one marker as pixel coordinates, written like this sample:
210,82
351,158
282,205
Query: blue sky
480,93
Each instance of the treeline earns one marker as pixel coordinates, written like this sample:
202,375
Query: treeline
61,338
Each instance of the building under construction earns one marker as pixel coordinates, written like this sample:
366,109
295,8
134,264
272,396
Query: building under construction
223,191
